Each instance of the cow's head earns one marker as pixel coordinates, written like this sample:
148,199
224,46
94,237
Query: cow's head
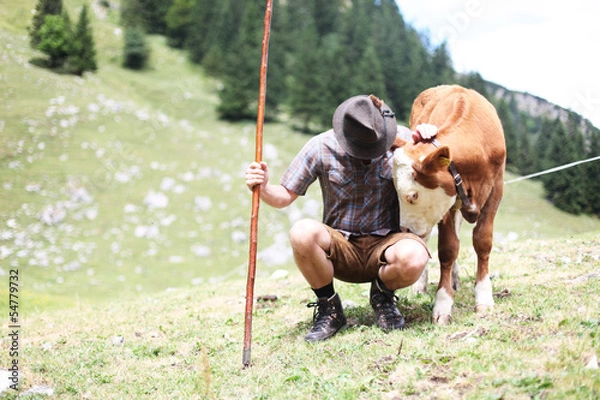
425,188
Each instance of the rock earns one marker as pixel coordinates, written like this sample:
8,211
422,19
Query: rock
117,340
279,274
593,363
39,389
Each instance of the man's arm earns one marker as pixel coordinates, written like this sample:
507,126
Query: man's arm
274,195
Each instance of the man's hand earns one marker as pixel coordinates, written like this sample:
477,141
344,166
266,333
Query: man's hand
424,132
257,174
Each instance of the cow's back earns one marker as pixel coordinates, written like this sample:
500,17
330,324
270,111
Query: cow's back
467,123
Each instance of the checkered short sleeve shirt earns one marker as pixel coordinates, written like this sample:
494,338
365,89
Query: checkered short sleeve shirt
357,199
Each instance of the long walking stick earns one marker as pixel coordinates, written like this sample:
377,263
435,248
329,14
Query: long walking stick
256,190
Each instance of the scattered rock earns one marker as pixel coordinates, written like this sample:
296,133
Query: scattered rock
267,297
156,200
43,390
117,340
53,214
279,274
593,363
503,293
348,304
479,331
583,278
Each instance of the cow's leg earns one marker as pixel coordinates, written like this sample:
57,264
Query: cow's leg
420,286
455,267
482,243
448,245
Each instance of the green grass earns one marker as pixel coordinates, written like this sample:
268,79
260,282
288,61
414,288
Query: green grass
177,297
187,343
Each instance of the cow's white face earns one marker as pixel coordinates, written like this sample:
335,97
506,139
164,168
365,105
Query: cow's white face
421,208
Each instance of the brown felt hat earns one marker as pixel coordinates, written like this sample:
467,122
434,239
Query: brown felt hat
364,126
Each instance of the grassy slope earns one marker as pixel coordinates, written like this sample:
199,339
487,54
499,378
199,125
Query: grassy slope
187,343
60,132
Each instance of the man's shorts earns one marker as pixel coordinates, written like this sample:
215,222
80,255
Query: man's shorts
358,259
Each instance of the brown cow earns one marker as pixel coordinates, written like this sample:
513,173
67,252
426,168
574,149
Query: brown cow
470,141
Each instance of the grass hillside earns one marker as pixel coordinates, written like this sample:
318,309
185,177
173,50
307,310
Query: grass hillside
124,211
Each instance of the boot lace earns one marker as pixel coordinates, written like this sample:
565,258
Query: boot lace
319,313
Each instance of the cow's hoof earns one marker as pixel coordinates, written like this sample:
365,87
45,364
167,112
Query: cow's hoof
483,308
442,319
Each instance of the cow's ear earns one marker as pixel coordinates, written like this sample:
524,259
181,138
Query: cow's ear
398,142
439,159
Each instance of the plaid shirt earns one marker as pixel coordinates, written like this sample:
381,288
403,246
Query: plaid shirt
358,199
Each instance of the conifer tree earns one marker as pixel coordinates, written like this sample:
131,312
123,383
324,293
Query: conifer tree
443,72
135,51
82,56
390,43
204,27
592,172
179,20
368,77
510,137
335,76
150,15
306,85
42,9
55,39
525,156
214,32
276,76
133,14
475,81
564,188
242,66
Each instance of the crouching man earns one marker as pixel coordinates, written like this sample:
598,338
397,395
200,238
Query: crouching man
359,239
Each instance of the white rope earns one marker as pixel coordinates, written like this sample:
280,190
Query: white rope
548,171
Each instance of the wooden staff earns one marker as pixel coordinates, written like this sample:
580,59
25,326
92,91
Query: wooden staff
256,190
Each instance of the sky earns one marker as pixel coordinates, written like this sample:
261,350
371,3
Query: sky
546,48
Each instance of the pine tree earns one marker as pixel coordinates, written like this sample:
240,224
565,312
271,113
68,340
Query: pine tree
443,72
82,56
368,78
475,81
133,14
204,27
55,40
42,9
135,51
214,32
155,15
150,15
179,20
525,156
277,67
305,87
510,137
592,172
335,76
242,67
564,188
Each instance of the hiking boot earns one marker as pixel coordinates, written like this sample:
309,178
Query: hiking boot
383,302
328,318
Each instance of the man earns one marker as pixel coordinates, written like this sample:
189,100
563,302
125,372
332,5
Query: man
359,239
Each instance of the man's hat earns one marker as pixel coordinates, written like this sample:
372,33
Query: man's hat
364,126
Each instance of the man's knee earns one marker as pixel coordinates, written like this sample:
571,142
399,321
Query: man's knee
410,255
306,232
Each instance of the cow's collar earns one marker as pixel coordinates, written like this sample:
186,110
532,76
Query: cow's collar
457,181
